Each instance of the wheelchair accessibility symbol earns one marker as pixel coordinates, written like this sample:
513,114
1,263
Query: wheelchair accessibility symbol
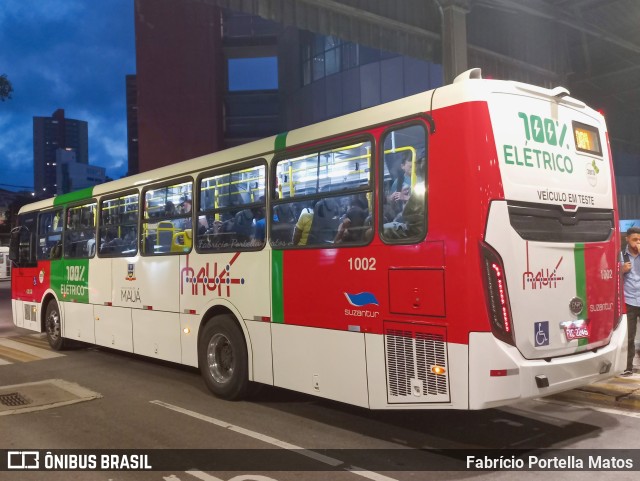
541,333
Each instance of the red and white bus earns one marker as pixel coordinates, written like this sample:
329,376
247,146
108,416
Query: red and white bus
453,249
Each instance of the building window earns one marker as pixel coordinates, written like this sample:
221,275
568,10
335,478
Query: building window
246,74
326,55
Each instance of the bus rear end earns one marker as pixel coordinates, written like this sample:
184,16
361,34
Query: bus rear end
549,256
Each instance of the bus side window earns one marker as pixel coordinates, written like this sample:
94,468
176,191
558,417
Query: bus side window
327,191
232,209
49,233
118,230
404,194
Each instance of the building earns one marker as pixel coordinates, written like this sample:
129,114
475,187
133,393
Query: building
237,77
73,175
132,124
49,135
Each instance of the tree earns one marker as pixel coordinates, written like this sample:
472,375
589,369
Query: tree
5,88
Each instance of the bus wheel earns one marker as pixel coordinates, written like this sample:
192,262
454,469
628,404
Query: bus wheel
222,357
53,326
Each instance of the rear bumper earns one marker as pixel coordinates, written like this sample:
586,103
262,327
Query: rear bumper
486,353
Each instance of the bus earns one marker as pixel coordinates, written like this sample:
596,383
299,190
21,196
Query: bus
455,249
5,264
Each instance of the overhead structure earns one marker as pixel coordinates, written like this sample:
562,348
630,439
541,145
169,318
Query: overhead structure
591,46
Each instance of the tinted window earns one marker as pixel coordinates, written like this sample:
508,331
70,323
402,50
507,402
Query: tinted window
119,226
167,222
80,231
404,186
324,197
50,234
232,210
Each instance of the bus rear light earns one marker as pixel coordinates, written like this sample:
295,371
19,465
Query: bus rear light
497,295
497,372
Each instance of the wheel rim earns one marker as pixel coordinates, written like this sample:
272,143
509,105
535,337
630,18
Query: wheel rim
53,325
220,358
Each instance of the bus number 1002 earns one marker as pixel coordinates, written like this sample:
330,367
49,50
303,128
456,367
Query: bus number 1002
362,263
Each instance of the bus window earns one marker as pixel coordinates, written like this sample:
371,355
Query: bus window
50,235
25,247
118,226
80,231
231,212
404,185
167,221
328,194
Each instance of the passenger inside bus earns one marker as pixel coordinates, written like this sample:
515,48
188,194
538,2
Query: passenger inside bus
303,226
355,224
410,223
326,218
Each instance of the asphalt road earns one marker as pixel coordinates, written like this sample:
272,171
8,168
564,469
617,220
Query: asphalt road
150,405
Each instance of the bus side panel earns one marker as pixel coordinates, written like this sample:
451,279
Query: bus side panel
77,321
100,281
157,334
154,283
17,313
326,363
113,327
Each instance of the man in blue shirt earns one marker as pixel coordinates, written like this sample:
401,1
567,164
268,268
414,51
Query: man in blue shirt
631,271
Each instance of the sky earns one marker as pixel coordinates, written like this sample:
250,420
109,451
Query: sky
68,54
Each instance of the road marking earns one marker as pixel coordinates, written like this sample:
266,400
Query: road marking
241,477
277,442
9,353
36,352
593,407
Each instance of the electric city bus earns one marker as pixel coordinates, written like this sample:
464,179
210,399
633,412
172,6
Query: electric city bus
455,249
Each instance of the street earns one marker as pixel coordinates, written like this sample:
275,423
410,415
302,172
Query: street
141,404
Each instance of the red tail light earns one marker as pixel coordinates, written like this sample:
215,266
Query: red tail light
497,295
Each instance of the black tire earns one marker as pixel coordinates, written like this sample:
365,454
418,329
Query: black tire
53,326
222,358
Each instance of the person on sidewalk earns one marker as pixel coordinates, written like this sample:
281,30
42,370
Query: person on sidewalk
631,271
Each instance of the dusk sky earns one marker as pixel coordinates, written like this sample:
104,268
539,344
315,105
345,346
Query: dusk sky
68,54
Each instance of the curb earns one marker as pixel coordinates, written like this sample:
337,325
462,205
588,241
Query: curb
619,392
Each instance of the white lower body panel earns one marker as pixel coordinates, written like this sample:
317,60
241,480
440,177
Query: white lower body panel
322,362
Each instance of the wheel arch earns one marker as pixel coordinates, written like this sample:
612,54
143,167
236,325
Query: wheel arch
227,308
46,299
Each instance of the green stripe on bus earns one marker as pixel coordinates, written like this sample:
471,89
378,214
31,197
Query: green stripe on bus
73,196
581,275
277,291
281,141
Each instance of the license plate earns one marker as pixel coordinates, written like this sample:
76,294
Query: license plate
576,332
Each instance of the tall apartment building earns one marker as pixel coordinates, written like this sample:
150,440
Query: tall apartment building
49,135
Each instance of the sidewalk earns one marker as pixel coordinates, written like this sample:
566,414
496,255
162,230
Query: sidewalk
619,392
